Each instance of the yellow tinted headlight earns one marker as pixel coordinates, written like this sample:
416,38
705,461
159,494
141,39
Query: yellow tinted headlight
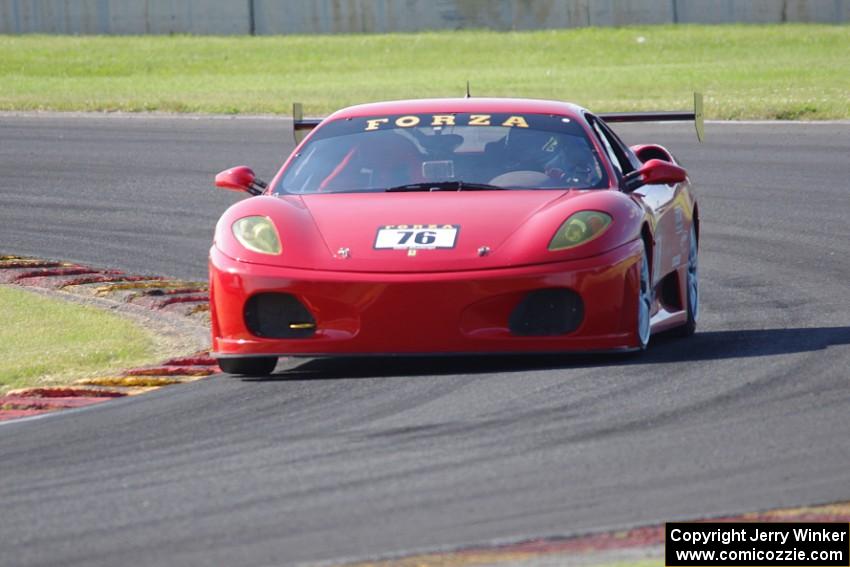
581,227
257,234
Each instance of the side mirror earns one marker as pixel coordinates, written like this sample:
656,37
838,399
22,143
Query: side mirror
654,172
240,178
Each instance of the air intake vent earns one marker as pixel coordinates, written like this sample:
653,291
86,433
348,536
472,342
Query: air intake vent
278,316
545,312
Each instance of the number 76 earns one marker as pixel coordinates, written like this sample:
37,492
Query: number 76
419,237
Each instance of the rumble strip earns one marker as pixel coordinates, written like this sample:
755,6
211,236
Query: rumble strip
182,307
637,545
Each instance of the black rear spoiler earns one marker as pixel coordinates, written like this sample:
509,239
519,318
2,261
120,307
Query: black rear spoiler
301,126
676,115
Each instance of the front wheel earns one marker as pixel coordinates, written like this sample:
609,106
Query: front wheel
691,289
644,303
256,366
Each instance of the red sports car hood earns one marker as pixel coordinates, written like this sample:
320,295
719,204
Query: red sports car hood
366,232
478,220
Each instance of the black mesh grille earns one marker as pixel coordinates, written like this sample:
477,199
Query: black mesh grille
547,312
278,316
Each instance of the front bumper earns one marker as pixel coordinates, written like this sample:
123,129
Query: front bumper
426,313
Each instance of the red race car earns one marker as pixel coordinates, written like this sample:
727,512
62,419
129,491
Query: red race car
467,225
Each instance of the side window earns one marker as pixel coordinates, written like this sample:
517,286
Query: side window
617,153
612,157
628,159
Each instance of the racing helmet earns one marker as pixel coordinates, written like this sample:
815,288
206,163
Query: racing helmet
530,149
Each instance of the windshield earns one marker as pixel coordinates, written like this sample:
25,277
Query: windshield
445,152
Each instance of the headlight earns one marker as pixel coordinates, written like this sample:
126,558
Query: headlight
257,234
581,227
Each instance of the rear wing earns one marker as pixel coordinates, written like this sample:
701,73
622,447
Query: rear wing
301,126
677,115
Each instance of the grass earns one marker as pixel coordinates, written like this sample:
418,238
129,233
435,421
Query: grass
654,562
50,342
787,71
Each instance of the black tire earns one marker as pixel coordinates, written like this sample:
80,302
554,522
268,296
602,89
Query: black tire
257,366
643,328
692,290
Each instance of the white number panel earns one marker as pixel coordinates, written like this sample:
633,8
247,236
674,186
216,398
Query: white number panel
416,236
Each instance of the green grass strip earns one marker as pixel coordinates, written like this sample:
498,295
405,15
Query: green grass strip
788,71
654,562
47,342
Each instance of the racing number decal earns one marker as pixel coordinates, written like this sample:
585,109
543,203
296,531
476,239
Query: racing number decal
416,236
424,237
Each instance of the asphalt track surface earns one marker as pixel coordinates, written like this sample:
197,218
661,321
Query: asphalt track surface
344,459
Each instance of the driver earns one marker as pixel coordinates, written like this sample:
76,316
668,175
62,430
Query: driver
529,150
561,157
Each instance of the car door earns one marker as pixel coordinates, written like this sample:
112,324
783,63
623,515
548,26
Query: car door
661,201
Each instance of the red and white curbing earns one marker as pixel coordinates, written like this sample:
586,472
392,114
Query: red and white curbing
187,299
596,549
